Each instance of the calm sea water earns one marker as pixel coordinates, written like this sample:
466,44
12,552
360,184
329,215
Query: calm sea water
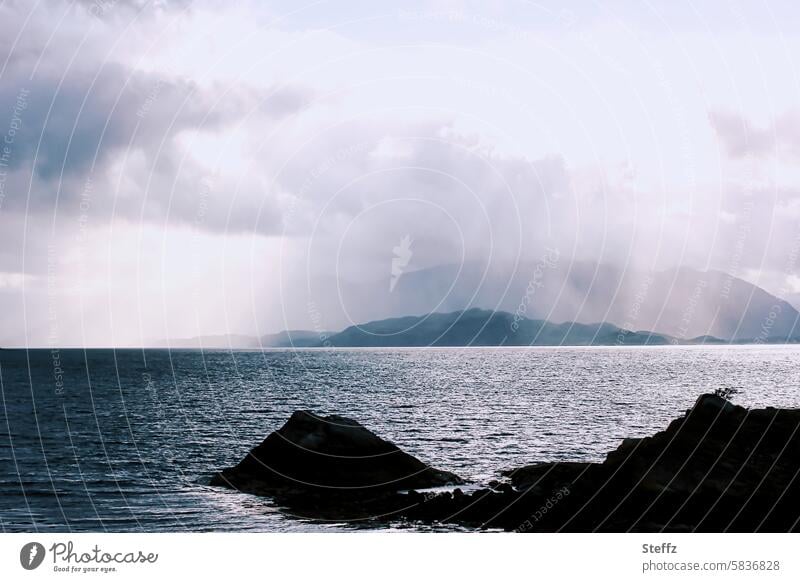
126,440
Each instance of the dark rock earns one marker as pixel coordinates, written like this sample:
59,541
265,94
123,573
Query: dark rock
549,474
720,467
329,455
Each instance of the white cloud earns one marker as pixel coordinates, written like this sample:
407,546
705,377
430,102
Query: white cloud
325,135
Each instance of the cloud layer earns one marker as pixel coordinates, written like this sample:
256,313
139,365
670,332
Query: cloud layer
177,168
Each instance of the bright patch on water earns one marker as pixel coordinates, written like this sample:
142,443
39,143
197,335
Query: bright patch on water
128,439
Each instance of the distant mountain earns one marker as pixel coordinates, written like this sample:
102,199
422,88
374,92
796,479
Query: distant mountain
682,303
478,327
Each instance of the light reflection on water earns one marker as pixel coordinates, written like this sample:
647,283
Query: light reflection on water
131,441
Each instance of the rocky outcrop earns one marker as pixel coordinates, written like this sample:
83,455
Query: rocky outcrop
331,466
720,467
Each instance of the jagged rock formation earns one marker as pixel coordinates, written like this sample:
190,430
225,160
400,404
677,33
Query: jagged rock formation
720,467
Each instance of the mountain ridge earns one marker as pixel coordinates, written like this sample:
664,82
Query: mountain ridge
471,327
681,302
679,305
480,327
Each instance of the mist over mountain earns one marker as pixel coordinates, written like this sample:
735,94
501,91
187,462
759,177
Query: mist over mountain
683,303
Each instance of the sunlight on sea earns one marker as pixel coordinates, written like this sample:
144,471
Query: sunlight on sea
129,441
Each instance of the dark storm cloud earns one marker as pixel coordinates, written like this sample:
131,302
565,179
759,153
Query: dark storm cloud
77,122
94,126
72,130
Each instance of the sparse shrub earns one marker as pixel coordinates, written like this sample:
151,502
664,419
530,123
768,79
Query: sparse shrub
727,393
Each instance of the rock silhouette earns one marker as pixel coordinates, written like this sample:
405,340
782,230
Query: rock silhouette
720,467
330,466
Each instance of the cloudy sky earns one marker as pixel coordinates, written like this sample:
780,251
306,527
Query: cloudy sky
176,168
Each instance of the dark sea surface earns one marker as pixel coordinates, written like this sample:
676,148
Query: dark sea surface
126,440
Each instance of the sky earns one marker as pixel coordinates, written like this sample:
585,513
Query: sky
173,168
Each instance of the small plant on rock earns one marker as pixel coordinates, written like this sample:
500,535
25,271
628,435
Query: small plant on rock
726,393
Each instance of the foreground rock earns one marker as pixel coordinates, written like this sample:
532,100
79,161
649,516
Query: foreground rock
331,467
720,467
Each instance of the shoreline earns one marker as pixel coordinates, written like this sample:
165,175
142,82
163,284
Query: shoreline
706,471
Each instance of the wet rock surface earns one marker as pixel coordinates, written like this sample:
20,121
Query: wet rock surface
331,468
720,467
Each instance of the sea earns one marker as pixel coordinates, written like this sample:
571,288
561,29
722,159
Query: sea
126,440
